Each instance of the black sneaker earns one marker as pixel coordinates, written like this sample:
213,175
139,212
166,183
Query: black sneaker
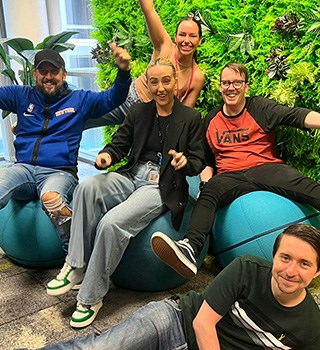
177,254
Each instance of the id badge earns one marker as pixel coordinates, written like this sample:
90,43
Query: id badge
153,176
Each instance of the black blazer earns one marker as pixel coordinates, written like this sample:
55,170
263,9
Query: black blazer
184,135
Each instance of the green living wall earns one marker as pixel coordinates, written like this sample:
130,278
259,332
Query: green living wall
277,40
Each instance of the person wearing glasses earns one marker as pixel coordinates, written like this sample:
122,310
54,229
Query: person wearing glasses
240,158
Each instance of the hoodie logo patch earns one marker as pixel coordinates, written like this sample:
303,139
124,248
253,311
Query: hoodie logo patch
64,111
30,108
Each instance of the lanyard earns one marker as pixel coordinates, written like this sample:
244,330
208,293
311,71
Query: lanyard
162,135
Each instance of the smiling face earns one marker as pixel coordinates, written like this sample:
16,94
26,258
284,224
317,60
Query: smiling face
234,98
49,79
187,37
295,264
161,83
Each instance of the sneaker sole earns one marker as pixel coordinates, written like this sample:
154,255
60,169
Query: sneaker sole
55,292
77,286
79,324
171,255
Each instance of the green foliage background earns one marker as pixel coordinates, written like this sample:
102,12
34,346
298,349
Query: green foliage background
239,30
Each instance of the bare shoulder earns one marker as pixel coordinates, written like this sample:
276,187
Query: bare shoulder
198,81
199,76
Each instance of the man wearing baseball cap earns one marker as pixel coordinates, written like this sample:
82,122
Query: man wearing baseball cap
49,56
50,120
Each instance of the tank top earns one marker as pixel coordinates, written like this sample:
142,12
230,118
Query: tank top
184,82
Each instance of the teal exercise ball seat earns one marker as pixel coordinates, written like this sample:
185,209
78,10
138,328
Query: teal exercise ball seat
140,269
250,224
27,235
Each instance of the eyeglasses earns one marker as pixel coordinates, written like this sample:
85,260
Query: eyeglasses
237,84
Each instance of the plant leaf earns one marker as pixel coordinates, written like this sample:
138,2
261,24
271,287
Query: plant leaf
60,47
62,37
28,55
20,44
235,42
19,59
315,27
9,73
4,57
5,114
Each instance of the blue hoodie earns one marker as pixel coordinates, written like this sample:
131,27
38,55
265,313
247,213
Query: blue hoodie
49,130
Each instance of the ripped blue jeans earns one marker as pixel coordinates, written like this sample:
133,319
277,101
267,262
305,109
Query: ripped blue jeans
28,182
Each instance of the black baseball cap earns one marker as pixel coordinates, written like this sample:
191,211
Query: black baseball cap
49,56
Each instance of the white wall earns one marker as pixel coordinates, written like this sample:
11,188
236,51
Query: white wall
26,18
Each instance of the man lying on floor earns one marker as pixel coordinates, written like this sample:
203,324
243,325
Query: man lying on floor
251,304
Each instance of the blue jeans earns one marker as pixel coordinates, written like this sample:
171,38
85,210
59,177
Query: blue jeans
156,326
28,182
108,210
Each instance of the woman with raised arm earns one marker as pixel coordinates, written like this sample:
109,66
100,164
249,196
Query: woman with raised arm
182,54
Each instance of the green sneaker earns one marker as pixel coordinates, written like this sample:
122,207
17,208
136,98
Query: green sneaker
67,279
85,315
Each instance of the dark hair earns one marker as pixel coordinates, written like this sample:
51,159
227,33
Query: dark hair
191,18
304,232
161,62
237,67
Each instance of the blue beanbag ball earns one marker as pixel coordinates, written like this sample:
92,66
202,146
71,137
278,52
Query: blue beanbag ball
140,269
28,236
250,224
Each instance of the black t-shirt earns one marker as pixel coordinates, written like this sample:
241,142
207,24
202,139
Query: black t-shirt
154,146
252,318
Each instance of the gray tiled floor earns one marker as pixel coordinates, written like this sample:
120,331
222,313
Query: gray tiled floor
30,318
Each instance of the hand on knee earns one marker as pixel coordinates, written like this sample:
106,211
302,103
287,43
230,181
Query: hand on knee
54,205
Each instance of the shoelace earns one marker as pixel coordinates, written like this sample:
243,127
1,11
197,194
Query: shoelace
82,307
64,271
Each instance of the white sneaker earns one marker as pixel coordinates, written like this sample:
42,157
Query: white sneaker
85,314
67,278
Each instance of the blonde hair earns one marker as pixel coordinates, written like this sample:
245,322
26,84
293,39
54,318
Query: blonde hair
161,62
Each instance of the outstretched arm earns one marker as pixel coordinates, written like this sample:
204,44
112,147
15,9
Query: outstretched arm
312,120
157,32
204,326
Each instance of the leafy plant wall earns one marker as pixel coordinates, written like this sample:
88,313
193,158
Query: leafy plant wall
277,40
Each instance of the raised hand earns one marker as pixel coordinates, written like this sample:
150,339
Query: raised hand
121,56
